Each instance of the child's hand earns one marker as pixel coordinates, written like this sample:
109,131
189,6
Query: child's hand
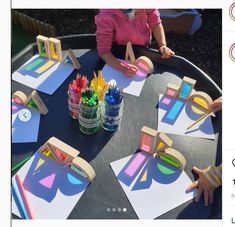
129,70
203,185
166,52
216,105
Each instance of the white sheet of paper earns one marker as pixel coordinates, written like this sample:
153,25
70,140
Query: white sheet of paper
203,129
24,131
55,201
130,85
46,82
161,193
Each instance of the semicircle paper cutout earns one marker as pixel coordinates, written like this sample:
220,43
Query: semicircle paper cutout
73,180
48,181
164,169
197,111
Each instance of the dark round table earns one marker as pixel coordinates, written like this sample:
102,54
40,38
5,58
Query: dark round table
104,147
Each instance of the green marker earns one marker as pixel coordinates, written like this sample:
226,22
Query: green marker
20,163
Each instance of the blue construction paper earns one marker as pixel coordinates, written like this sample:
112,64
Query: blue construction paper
32,72
24,132
47,81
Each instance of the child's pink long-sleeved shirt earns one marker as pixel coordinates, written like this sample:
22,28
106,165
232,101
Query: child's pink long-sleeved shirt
113,26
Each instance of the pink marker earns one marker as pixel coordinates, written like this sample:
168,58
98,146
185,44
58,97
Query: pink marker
128,66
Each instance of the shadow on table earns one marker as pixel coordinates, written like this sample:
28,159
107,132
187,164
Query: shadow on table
148,169
45,180
197,210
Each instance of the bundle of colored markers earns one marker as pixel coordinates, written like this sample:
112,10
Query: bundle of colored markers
113,96
76,87
89,112
99,85
112,111
89,97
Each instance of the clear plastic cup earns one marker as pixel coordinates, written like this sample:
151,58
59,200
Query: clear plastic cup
89,119
111,116
73,104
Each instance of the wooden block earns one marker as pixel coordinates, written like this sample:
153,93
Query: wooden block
67,155
163,142
172,90
55,49
129,53
144,63
202,100
46,150
58,147
73,58
43,46
149,131
85,167
173,157
189,80
186,88
147,139
19,97
35,102
166,139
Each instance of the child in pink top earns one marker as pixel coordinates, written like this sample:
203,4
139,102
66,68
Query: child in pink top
120,26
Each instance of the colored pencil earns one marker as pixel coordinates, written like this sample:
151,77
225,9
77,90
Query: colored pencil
23,196
18,201
198,120
20,163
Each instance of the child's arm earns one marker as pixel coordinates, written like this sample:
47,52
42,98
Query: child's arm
155,24
113,62
159,34
104,40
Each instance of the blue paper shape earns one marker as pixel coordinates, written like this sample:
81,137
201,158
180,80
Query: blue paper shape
58,73
24,132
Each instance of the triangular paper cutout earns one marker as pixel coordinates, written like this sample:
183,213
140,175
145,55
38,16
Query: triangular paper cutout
48,181
144,177
40,162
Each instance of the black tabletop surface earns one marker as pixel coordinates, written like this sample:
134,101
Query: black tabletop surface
105,193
